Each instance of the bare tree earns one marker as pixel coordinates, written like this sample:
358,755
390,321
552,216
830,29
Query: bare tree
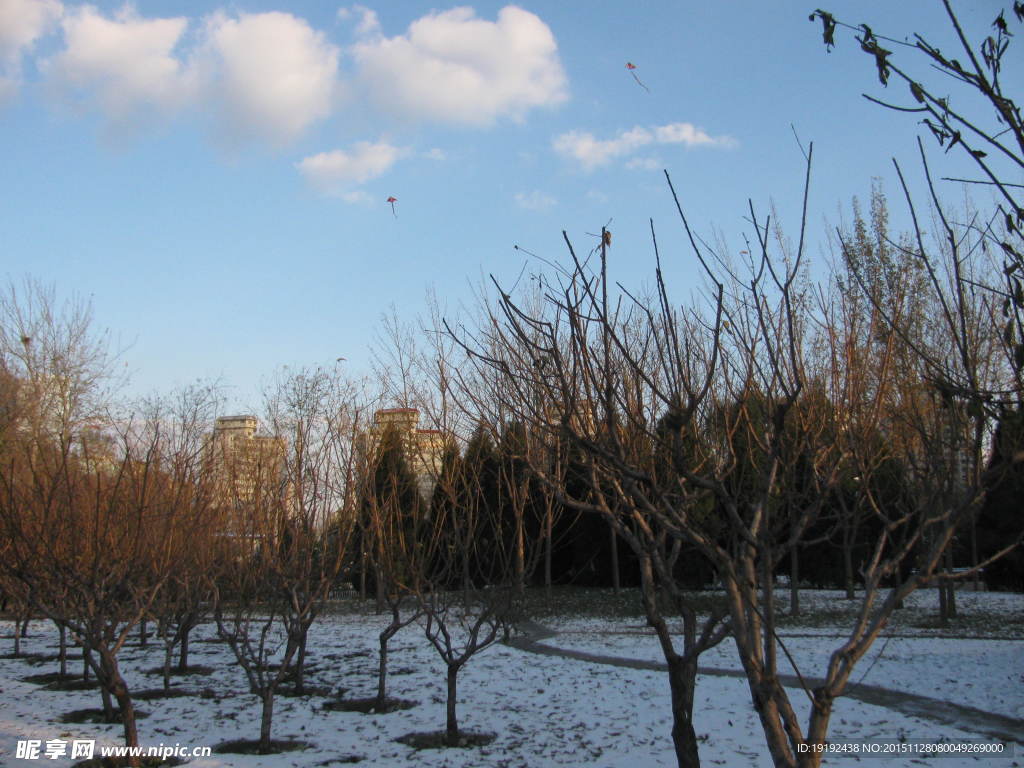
290,518
972,360
94,503
58,367
465,579
184,601
390,513
94,539
722,398
990,133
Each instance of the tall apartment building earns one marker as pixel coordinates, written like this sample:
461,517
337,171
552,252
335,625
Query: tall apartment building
243,462
424,448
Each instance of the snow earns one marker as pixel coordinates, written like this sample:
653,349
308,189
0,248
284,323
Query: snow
544,710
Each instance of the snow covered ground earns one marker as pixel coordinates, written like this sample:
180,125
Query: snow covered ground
976,664
545,711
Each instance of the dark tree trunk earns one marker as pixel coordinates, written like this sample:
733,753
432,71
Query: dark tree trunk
547,552
300,662
520,552
452,726
682,673
379,587
848,563
183,653
62,653
124,702
362,579
682,677
943,605
143,634
950,586
168,653
104,668
794,580
108,705
382,668
265,721
615,558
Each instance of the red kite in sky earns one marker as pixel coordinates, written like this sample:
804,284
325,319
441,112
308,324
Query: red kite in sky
393,200
632,67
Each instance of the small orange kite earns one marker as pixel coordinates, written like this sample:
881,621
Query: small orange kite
632,70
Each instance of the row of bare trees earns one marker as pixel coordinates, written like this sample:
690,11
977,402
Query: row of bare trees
745,427
113,516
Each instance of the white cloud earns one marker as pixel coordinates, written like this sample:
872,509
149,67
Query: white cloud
367,23
690,135
592,153
270,75
22,22
267,76
453,67
435,154
645,164
535,200
338,172
356,196
126,63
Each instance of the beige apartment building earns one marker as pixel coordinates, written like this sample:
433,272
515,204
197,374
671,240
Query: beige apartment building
244,463
424,448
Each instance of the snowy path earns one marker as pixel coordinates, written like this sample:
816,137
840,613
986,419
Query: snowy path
535,640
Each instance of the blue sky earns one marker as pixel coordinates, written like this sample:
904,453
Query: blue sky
215,176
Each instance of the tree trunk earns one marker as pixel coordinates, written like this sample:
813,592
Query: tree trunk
547,551
682,678
682,675
452,727
300,662
771,722
382,669
848,563
183,653
976,578
62,653
943,605
615,558
108,705
362,579
124,702
950,585
794,580
520,551
17,637
168,653
265,722
817,729
379,587
143,635
86,663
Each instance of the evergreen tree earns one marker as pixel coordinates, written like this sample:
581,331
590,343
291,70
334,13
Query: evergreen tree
391,499
1001,520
